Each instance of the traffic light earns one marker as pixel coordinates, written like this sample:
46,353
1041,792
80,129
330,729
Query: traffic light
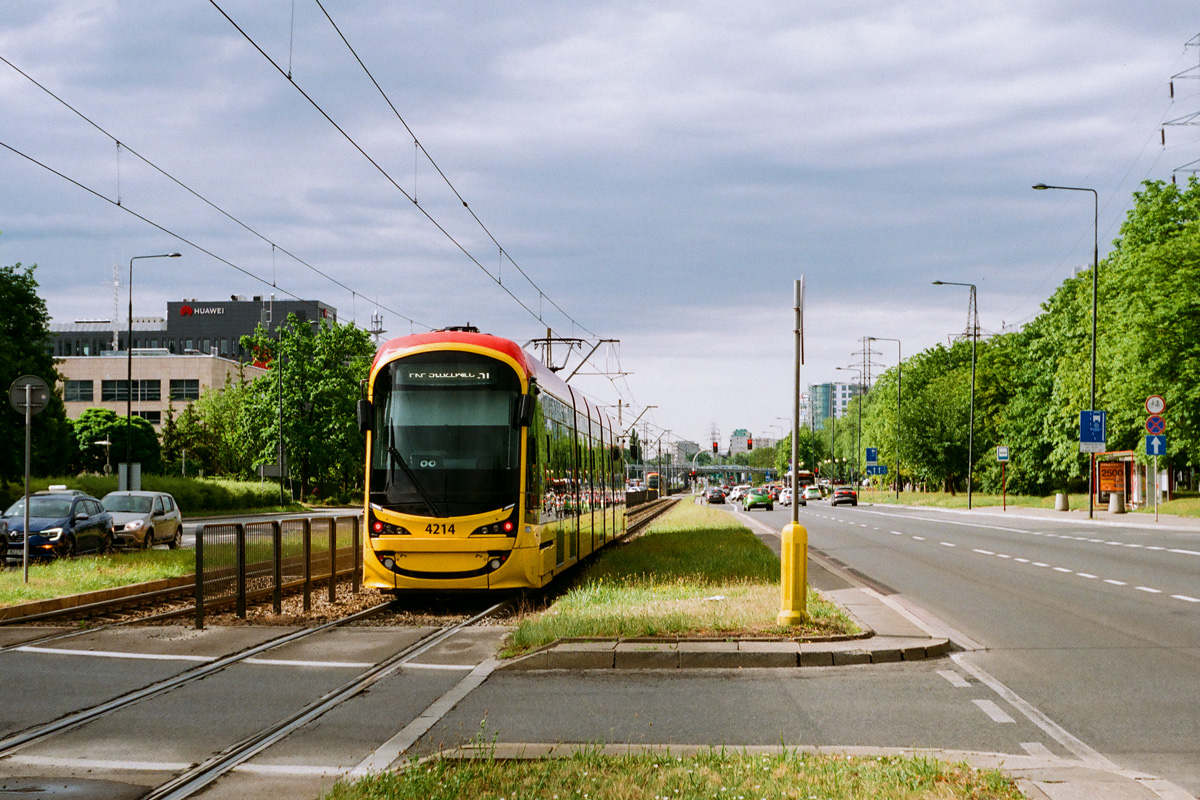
714,448
750,444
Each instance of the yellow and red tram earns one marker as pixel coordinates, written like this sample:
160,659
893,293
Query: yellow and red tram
484,469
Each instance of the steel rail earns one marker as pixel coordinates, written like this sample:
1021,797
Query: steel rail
12,743
194,780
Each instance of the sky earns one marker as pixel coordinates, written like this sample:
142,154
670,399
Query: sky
657,173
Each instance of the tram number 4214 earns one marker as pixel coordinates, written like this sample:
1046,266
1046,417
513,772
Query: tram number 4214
435,528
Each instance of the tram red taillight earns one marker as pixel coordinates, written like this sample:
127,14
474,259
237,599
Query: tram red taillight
508,526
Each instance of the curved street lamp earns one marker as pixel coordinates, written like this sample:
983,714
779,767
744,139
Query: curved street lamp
1095,282
974,323
129,374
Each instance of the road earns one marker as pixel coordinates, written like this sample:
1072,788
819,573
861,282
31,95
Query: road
1095,625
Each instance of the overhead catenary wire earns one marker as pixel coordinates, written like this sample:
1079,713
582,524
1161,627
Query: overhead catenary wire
378,167
118,202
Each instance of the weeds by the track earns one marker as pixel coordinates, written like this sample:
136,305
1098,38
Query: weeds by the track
90,573
716,774
695,572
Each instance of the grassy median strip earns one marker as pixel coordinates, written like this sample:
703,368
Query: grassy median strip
717,774
69,576
696,572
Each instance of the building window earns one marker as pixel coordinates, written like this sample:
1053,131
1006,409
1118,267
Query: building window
153,417
148,390
78,391
111,391
185,389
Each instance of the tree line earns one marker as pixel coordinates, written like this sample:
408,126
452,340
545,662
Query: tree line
1032,383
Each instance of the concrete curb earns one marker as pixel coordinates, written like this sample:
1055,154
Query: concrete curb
1039,777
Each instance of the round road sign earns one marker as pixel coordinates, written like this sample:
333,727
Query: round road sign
39,394
1155,404
1155,424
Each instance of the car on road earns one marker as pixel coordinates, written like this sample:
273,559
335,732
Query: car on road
62,523
714,494
757,497
785,496
812,492
736,493
142,519
844,494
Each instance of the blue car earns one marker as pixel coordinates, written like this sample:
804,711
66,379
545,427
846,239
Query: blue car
61,524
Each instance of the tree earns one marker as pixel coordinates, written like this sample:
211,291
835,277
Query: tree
318,372
103,424
24,336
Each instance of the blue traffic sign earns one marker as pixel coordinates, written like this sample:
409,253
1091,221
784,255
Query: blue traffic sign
1156,445
1155,424
877,469
872,455
1091,426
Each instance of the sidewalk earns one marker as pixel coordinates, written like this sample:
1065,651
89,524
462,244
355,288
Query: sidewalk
1100,516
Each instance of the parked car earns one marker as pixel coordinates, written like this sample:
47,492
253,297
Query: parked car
736,493
812,492
62,523
757,497
714,494
785,496
844,494
142,519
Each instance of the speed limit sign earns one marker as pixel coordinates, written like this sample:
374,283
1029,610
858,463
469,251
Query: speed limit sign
1155,404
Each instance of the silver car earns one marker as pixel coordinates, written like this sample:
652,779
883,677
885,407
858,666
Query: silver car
142,519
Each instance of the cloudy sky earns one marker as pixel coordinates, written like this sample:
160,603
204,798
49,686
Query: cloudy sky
653,172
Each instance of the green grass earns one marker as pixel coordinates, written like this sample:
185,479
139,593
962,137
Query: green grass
715,774
1186,505
90,573
696,572
196,496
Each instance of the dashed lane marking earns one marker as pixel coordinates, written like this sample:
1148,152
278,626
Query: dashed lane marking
994,711
956,680
1036,749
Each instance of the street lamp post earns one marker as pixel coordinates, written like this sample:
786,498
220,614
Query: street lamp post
899,375
129,374
973,321
1095,283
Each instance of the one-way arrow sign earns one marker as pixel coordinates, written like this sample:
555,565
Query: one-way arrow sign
1156,445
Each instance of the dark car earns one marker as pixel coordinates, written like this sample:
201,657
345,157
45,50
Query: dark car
61,524
844,494
714,494
143,518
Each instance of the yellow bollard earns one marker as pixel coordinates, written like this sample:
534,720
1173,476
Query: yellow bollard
793,578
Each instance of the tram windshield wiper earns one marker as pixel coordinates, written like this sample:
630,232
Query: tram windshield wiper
399,459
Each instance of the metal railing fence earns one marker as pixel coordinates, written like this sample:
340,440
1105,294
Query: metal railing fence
237,562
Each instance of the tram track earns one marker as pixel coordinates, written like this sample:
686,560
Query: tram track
193,780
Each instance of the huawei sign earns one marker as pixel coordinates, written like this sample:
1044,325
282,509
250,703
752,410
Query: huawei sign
188,311
185,311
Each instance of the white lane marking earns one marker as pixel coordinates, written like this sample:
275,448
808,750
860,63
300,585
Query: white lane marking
948,544
1036,749
1184,552
283,662
1040,564
99,765
1148,589
956,680
396,746
1021,560
994,711
1155,547
1115,583
459,667
896,533
1001,555
983,552
1061,569
110,654
1087,575
1049,726
1185,598
919,538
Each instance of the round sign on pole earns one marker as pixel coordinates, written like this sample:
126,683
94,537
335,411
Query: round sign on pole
1155,425
1155,404
39,394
